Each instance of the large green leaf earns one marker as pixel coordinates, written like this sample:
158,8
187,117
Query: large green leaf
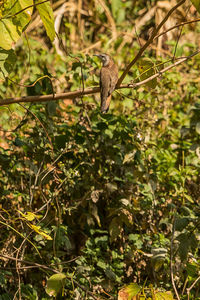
164,296
132,289
8,34
21,11
46,14
7,60
196,3
15,18
147,69
55,284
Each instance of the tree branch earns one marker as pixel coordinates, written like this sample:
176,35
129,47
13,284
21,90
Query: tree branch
191,287
89,91
171,259
155,32
176,26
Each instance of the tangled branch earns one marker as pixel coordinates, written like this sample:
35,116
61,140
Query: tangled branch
89,91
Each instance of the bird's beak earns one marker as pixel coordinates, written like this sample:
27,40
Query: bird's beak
96,55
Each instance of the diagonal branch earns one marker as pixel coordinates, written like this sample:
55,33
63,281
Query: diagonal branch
89,91
176,26
150,40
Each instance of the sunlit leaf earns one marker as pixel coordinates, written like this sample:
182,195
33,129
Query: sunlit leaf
29,216
198,127
12,25
147,69
55,283
41,232
128,292
46,14
129,157
196,3
163,296
9,34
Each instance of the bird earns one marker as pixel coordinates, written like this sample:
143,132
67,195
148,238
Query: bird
108,80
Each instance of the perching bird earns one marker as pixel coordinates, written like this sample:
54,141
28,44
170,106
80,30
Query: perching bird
108,80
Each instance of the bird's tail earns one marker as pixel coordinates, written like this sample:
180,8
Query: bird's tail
105,103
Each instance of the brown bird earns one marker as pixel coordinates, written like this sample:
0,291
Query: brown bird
108,80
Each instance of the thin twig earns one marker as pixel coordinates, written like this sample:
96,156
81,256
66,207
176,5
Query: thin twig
179,35
50,269
176,26
171,259
48,137
191,287
89,91
150,40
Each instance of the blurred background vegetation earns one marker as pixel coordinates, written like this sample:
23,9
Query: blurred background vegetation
107,200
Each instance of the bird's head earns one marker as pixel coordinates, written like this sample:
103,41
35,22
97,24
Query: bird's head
105,58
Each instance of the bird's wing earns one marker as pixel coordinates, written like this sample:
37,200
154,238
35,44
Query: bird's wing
105,85
114,78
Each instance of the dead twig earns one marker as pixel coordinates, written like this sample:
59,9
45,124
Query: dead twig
176,26
150,40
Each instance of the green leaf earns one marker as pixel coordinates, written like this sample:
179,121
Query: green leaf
181,223
147,69
7,60
46,14
41,232
132,289
117,10
110,274
9,34
196,3
55,283
163,296
183,246
101,264
192,269
12,22
198,127
114,229
29,216
22,15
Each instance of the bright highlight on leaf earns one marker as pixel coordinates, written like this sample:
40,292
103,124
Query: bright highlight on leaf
55,283
29,216
163,296
41,232
147,69
46,14
16,18
129,292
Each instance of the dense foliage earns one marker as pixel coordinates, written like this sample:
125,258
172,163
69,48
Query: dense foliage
101,200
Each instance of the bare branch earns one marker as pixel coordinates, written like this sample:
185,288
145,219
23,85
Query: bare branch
150,40
171,260
191,287
176,26
44,98
52,270
89,91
